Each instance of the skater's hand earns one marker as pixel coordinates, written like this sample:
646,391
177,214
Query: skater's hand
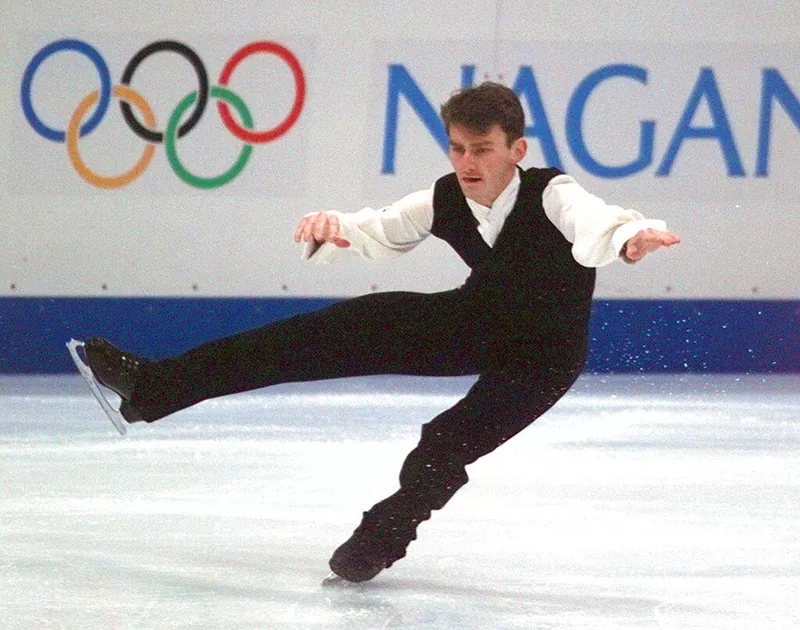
647,241
320,228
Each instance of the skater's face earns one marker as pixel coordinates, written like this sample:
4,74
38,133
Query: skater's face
484,163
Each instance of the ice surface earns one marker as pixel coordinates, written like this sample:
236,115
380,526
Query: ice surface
637,502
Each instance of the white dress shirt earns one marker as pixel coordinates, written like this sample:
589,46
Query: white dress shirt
597,231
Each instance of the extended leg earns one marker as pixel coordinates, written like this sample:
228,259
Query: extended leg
497,407
385,333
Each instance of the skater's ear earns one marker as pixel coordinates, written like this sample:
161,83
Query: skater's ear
519,148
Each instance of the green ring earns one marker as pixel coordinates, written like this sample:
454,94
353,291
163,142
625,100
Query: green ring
170,136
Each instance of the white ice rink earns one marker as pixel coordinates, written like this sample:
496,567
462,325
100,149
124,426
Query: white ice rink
638,502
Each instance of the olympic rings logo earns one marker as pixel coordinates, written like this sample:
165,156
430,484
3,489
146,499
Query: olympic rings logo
79,126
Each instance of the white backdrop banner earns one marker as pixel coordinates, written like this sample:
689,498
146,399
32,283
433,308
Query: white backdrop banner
178,160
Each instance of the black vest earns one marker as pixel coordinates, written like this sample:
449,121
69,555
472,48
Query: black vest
530,272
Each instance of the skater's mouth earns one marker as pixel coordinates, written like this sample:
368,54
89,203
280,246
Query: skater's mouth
470,179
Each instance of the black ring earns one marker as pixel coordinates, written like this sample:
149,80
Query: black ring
202,93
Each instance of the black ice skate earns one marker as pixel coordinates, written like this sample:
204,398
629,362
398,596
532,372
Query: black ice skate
115,369
108,366
359,559
380,541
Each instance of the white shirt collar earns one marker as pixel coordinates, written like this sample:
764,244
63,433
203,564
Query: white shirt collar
491,220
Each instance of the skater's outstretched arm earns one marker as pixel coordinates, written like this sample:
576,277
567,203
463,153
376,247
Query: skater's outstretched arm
600,232
374,234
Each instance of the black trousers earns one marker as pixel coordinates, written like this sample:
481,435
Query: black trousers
523,371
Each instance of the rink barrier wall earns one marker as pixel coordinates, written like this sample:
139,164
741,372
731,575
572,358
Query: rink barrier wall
627,336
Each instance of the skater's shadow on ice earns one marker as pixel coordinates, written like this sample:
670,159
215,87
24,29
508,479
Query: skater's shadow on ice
397,603
418,603
349,606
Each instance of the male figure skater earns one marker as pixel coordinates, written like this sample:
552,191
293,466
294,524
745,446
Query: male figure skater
532,239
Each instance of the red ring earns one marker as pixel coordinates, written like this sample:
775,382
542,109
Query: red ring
259,137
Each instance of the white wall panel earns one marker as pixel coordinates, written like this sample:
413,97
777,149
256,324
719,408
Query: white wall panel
158,236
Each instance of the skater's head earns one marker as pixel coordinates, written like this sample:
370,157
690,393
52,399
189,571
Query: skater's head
485,126
478,109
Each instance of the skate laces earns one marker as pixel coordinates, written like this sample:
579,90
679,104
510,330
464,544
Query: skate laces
129,365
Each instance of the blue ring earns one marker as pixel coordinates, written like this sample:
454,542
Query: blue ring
27,79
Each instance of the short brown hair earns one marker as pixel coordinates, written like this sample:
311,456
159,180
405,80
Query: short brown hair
480,108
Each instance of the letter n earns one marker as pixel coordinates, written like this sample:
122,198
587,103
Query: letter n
401,84
773,87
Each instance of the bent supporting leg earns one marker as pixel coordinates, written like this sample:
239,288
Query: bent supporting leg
497,407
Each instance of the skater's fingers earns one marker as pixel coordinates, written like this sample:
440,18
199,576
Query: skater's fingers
648,241
325,228
305,230
301,230
668,239
302,234
320,227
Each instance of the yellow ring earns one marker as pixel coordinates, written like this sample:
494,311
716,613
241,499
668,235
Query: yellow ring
128,95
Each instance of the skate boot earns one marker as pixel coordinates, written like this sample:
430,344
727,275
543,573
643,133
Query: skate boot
113,368
381,539
116,370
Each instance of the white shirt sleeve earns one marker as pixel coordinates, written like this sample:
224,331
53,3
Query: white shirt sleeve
597,231
380,234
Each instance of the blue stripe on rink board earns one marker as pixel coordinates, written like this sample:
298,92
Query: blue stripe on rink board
711,336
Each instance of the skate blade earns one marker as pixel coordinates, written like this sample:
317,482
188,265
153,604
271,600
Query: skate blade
336,581
86,372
